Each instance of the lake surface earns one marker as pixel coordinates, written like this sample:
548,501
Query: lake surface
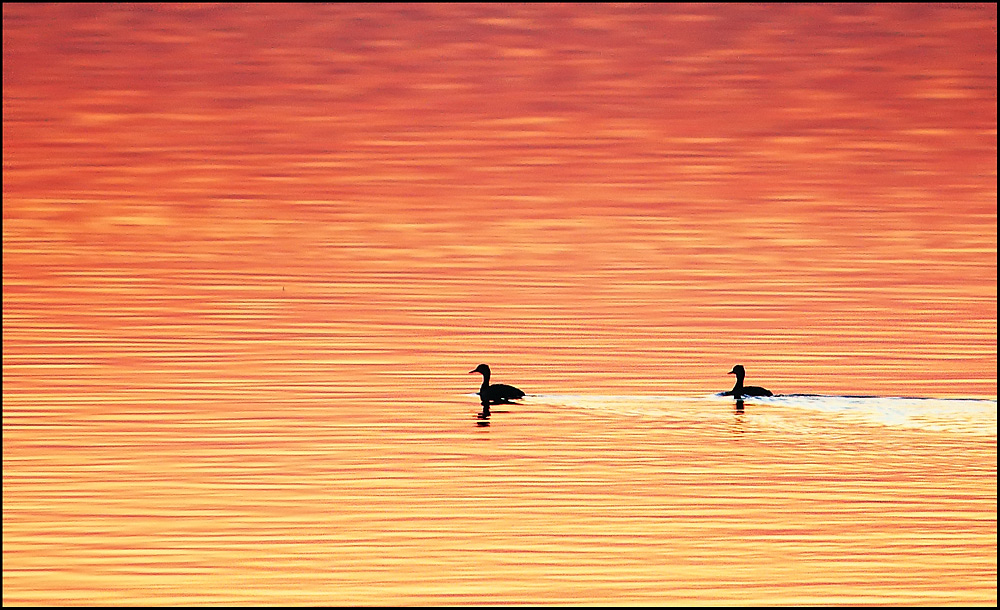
250,254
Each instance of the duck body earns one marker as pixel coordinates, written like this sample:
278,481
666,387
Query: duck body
739,390
495,393
500,392
749,390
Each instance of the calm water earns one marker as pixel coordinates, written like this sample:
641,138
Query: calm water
250,254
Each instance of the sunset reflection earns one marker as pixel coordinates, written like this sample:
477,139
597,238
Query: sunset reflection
250,253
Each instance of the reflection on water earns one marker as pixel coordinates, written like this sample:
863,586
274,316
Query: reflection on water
248,258
342,500
967,417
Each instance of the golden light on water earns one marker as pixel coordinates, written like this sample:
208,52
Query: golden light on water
249,254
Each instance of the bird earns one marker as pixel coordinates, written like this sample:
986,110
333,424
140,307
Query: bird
495,393
739,390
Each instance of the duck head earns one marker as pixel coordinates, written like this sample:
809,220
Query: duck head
739,371
483,369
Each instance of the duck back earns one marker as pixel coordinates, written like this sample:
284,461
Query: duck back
500,392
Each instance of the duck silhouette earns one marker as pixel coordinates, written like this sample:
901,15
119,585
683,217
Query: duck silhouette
495,393
739,390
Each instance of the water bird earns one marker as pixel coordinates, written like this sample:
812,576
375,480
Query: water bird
739,390
494,393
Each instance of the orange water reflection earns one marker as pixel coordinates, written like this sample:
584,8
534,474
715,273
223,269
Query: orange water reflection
249,254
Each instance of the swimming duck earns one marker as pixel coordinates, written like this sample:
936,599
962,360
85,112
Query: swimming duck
497,392
739,390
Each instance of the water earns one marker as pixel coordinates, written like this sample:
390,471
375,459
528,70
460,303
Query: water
247,268
970,417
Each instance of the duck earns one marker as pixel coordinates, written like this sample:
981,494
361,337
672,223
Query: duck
494,393
739,390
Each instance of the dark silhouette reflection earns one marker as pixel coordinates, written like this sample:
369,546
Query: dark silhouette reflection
739,419
739,390
483,419
496,393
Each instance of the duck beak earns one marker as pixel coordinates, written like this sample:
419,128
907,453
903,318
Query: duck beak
473,371
731,372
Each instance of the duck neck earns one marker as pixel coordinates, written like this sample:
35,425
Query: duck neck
738,388
486,383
